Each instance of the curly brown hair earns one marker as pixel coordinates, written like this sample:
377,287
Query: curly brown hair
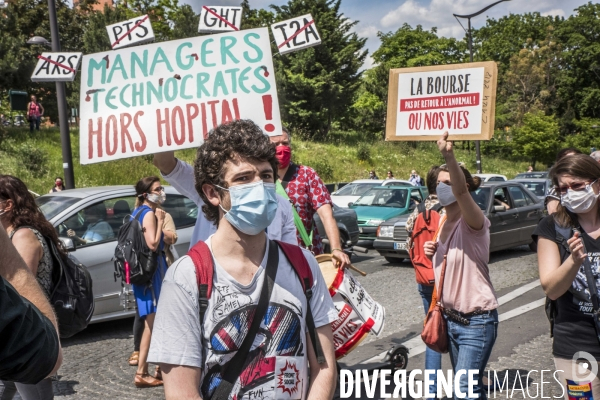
241,138
25,210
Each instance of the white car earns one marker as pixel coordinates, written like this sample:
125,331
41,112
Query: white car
491,177
352,191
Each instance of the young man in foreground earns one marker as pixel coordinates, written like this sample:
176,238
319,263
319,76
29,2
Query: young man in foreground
235,173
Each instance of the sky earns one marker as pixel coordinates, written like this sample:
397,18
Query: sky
389,15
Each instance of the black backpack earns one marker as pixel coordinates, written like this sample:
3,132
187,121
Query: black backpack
72,297
135,263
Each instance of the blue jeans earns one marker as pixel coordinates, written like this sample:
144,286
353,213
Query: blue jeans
433,359
470,348
35,122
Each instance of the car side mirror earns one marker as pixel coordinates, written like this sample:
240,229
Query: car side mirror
68,243
350,204
499,208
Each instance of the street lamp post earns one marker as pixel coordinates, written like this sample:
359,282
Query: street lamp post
470,35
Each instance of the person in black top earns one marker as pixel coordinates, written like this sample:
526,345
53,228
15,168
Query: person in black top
562,273
29,343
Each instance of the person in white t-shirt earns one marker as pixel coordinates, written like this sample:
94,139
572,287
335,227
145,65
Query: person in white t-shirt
235,174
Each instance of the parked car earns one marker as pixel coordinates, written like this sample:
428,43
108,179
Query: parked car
510,226
538,186
347,224
384,202
66,210
350,192
491,177
529,175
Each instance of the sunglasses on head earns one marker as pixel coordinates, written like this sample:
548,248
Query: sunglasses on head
577,187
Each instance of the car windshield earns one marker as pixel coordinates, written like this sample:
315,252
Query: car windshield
383,197
481,197
52,205
356,189
538,188
532,175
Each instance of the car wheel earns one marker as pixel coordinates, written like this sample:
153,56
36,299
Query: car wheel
533,246
394,260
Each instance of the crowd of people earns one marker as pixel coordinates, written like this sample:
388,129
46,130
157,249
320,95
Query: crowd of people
252,201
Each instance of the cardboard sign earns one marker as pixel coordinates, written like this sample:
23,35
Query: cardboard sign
132,32
56,67
424,102
169,95
220,19
296,34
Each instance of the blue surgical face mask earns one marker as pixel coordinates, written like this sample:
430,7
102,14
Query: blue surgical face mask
253,207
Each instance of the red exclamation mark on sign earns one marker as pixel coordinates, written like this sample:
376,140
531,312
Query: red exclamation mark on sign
268,106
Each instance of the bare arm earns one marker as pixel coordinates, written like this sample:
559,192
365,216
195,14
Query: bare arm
165,162
15,271
323,377
333,234
29,248
153,228
552,206
181,382
471,212
41,109
169,230
556,278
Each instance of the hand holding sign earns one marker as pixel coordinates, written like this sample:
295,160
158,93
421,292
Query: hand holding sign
296,34
444,145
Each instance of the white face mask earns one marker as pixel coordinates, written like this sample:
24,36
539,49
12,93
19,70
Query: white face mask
444,194
579,201
157,198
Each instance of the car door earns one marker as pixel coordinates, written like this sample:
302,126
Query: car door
415,199
504,232
529,212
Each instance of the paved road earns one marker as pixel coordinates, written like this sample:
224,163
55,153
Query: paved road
95,365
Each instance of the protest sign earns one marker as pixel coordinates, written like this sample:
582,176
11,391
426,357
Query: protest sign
424,102
295,34
56,67
220,19
132,32
169,95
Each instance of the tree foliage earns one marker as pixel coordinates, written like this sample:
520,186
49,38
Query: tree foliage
537,138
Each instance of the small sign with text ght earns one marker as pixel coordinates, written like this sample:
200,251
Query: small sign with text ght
132,32
56,67
296,34
220,19
424,102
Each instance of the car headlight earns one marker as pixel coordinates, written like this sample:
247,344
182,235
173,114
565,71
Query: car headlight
374,222
386,231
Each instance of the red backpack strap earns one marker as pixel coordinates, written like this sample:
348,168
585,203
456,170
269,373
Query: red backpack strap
203,263
299,263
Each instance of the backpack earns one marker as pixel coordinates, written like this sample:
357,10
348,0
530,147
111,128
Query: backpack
72,297
135,263
203,263
424,229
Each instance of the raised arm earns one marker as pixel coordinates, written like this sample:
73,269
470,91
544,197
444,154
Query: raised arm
165,162
471,212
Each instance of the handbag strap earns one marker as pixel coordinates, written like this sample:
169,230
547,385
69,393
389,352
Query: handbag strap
234,367
445,262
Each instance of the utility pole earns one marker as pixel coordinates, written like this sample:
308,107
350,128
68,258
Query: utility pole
61,98
470,35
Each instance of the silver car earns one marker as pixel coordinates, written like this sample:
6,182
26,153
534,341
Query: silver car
67,210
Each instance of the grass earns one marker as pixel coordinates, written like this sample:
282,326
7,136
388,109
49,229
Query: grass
36,158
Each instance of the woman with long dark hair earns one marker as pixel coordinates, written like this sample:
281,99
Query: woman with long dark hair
567,241
29,231
463,246
150,194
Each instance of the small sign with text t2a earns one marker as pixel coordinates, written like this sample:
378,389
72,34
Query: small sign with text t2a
220,19
132,32
296,34
56,67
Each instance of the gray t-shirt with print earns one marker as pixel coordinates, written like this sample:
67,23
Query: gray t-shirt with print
277,364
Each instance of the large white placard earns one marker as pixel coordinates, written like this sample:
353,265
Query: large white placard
168,95
296,34
132,32
56,67
220,19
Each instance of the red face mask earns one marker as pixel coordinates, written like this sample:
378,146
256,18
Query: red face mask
58,183
284,155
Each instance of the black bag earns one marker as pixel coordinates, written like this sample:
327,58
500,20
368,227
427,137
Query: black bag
135,263
72,297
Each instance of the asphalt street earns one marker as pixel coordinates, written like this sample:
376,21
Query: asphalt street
95,361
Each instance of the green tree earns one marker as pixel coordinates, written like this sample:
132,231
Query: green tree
316,86
587,131
538,138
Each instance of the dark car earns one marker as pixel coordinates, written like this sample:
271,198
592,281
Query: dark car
529,175
347,224
512,209
538,186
